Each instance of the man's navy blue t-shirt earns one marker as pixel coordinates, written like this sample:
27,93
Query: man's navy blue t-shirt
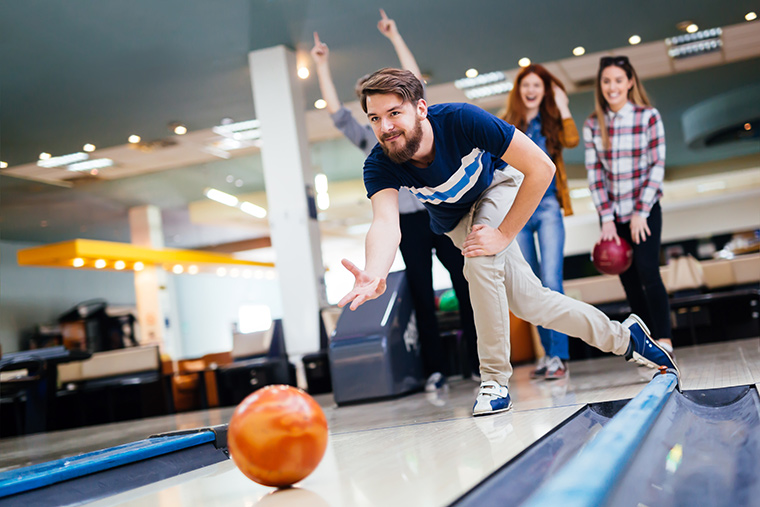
469,143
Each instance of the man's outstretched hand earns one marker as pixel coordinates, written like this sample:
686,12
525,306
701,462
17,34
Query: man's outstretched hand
365,287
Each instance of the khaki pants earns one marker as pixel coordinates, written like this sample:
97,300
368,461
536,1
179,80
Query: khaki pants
503,282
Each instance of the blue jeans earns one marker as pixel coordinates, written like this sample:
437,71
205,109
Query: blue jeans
547,223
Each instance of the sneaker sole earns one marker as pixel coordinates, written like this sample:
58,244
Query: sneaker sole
478,414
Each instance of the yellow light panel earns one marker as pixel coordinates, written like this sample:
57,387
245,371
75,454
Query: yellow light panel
60,255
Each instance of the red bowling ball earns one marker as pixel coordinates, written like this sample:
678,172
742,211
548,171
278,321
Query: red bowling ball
612,259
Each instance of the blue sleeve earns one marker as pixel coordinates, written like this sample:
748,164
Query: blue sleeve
485,130
378,173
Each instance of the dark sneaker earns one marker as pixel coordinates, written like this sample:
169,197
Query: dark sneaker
492,399
555,369
540,370
643,349
434,382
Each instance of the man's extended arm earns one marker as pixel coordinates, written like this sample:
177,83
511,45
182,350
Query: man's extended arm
382,241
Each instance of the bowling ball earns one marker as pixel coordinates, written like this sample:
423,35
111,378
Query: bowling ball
277,435
612,259
449,302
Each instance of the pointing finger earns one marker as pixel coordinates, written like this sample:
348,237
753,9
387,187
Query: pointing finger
383,15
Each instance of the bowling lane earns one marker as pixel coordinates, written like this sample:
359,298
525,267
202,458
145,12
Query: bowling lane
422,464
420,449
423,449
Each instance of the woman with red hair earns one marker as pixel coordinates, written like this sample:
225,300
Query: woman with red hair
538,106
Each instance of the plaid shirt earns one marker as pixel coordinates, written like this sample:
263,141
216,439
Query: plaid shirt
627,178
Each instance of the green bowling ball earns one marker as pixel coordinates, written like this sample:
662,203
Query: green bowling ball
449,302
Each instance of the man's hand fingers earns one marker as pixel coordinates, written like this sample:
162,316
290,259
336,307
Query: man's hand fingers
316,39
346,299
357,302
351,267
383,15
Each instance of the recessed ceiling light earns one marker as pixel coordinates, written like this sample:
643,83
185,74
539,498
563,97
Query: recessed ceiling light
252,209
524,62
3,164
45,155
89,148
89,165
323,201
633,40
580,50
320,183
138,266
750,16
119,265
193,270
100,263
178,269
692,28
471,73
320,104
221,197
747,126
221,271
47,161
303,72
134,139
180,130
78,262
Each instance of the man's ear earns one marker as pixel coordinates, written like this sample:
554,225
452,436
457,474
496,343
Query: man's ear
422,108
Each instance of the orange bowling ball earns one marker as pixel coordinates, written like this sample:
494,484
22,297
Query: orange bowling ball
277,435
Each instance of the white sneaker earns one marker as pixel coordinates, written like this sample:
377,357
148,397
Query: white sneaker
434,382
492,398
540,370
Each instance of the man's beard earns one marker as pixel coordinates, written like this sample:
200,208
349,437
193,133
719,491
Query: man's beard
407,151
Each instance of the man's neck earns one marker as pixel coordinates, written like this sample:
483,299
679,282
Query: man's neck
426,152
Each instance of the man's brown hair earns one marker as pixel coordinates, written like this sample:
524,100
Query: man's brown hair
400,82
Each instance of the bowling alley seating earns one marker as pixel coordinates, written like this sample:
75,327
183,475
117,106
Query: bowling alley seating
110,386
28,381
317,365
725,308
259,359
193,381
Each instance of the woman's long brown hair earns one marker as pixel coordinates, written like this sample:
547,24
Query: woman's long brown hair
551,120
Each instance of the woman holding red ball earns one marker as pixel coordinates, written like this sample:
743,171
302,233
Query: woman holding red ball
625,161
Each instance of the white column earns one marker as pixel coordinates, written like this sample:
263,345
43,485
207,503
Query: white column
280,108
154,288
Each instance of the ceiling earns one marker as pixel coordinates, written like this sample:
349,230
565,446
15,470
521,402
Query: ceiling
89,71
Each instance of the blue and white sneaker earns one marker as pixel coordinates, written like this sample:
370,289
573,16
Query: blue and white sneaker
643,349
492,399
